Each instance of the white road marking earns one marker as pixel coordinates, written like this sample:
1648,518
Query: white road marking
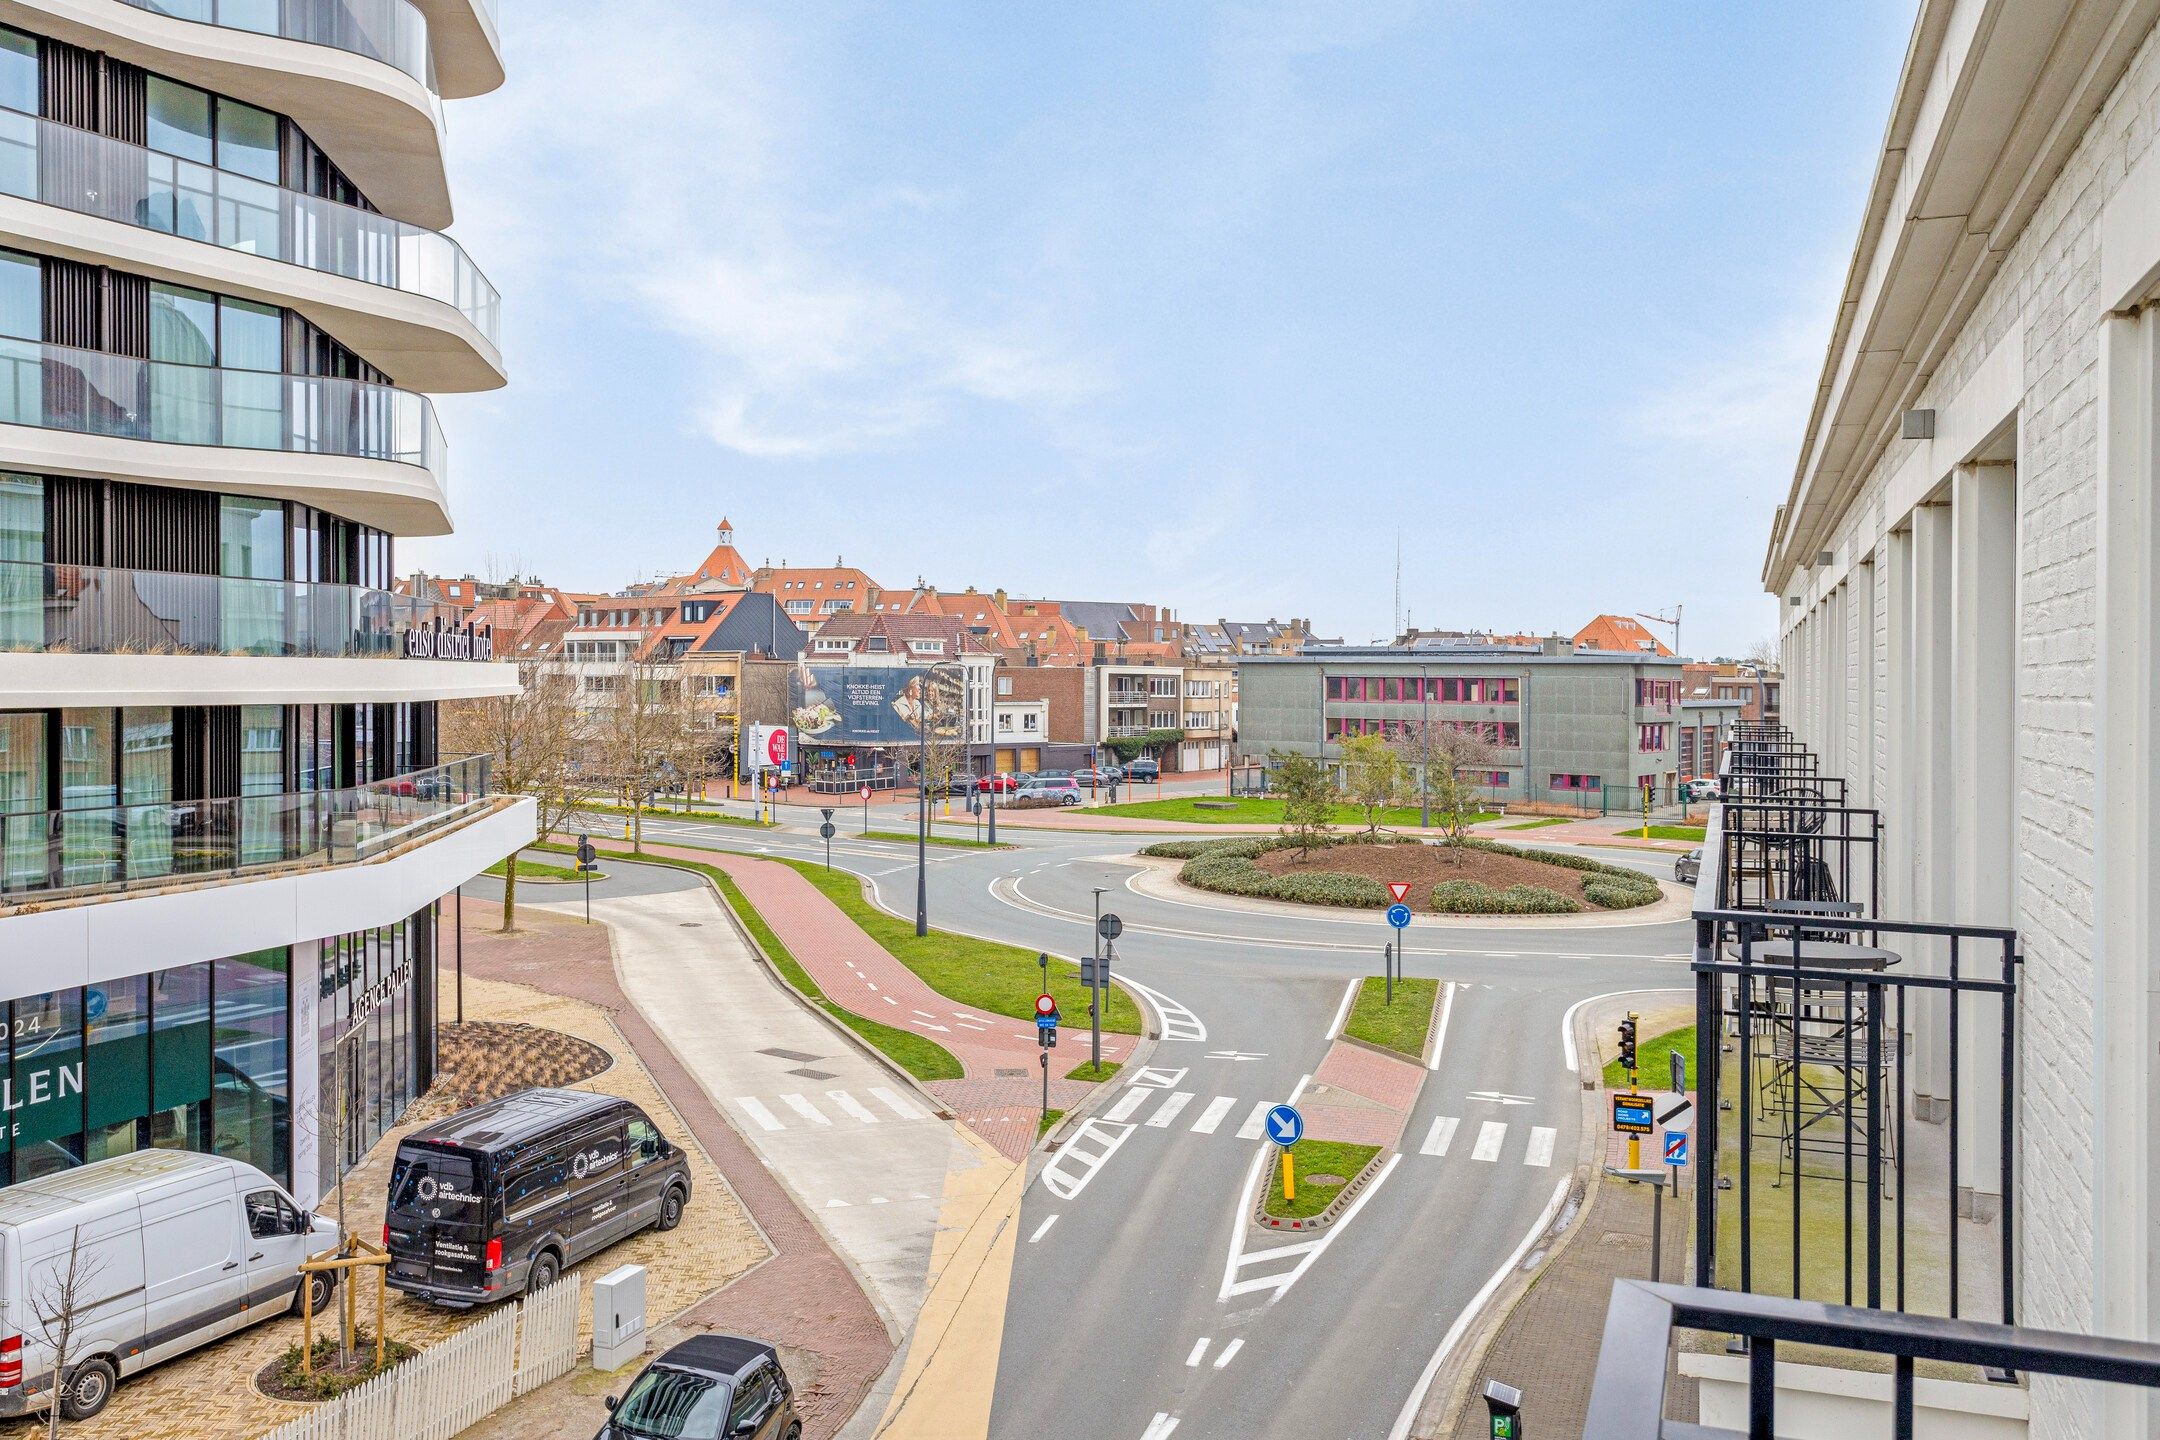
837,1205
1168,1110
1178,1023
888,999
756,1110
1228,1350
1149,1075
1213,1115
1199,1352
805,1109
926,1014
1448,1342
1160,1427
1447,1008
1307,1252
1131,1100
1501,1097
851,1107
871,984
1059,1178
1541,1146
1250,1130
1490,1136
894,1103
1342,1011
1440,1136
1567,1021
1042,1229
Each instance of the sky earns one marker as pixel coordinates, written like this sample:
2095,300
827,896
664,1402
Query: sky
1208,305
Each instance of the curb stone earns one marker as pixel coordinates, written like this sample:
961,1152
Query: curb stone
1268,1224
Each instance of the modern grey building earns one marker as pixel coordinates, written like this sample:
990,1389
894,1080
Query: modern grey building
1577,727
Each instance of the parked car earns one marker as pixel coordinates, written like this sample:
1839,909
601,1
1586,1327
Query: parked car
1688,868
710,1387
504,1197
959,783
1001,782
1099,774
1143,769
179,1248
1702,788
1066,791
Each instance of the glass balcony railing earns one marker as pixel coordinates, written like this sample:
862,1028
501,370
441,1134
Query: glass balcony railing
392,31
94,392
92,610
118,847
91,174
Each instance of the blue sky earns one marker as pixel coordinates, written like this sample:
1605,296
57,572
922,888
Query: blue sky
1191,303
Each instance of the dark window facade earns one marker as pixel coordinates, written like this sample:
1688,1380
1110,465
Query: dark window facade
375,1034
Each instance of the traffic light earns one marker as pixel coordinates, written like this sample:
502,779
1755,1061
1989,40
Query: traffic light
1627,1045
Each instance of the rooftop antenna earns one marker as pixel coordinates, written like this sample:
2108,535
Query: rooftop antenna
1672,620
1398,583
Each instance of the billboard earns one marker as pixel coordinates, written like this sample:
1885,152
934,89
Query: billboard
848,705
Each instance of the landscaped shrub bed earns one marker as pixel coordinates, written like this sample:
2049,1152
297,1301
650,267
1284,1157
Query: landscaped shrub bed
1480,877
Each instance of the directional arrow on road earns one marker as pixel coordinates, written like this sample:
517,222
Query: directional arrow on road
1494,1097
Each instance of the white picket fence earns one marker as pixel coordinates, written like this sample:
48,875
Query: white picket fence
461,1381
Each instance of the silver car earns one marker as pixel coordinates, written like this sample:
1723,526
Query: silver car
1688,868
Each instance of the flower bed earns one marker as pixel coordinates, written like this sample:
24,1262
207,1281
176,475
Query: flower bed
1477,877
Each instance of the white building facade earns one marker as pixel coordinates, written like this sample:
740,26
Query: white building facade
1965,573
226,821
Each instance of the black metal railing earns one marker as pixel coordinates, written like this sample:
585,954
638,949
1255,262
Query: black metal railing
1799,852
1628,1399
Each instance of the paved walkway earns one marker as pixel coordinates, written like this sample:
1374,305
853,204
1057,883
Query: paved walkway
1361,1095
804,1298
1000,1096
1606,831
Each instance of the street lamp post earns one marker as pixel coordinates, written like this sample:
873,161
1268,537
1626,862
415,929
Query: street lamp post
1424,784
922,792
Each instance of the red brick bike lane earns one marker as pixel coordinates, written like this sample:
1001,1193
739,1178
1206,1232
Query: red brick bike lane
1000,1096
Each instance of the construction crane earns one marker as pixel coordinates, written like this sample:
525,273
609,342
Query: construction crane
1672,620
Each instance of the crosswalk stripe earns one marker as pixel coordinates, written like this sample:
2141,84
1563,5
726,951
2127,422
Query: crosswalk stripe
756,1110
1440,1136
805,1109
1168,1110
1250,1130
1213,1115
851,1107
894,1103
1490,1135
1541,1143
1130,1101
1228,1350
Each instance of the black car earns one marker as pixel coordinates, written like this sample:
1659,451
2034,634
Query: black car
1143,770
710,1387
504,1197
1688,868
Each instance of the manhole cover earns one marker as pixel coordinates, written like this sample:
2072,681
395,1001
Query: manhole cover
691,924
808,1074
1010,1074
795,1055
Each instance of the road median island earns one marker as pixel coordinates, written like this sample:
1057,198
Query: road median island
1402,1027
1329,1174
696,817
918,1055
951,842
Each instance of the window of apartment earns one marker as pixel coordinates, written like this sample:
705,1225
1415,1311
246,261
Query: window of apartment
212,130
19,75
1004,685
1654,738
798,607
1577,782
1157,685
928,647
1495,779
1031,721
830,647
1162,719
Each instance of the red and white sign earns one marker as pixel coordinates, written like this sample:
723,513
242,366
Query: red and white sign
1045,1005
776,745
1398,891
863,794
770,747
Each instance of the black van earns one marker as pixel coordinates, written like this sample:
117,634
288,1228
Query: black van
502,1198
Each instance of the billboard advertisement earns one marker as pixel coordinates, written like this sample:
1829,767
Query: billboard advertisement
851,705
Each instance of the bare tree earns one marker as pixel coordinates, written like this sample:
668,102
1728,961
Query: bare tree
1451,759
645,732
60,1296
942,697
1767,654
1372,774
535,738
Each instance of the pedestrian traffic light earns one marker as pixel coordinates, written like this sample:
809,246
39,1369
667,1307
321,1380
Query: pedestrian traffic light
1627,1043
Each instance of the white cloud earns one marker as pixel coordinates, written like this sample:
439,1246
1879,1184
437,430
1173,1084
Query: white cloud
686,170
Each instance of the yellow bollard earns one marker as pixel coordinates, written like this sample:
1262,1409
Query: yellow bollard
1289,1177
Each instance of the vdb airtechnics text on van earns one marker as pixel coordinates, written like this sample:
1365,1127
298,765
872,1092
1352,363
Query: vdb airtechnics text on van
502,1198
170,1249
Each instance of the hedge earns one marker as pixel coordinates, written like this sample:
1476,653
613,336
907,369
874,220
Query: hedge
1475,897
1226,867
1615,894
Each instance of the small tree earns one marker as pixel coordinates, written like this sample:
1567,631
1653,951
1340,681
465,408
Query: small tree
1373,774
534,737
1308,797
61,1293
646,730
1458,755
942,697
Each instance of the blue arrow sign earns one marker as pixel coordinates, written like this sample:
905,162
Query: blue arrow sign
1676,1147
1285,1126
1398,915
1046,1022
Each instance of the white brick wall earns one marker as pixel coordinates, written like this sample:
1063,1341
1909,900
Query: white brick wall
2050,285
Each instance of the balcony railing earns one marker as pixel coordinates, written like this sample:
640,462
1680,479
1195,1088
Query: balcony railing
92,610
52,853
91,174
1627,1398
392,31
94,392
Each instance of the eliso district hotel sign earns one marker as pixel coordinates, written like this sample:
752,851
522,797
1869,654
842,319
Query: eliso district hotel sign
425,642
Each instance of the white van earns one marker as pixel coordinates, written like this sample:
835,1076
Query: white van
174,1249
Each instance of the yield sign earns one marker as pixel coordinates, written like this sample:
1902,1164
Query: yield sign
1398,890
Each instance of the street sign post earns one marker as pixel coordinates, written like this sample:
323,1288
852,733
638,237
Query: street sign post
1286,1127
1503,1407
1676,1147
826,831
1398,915
1046,1023
1107,928
864,794
1398,891
586,855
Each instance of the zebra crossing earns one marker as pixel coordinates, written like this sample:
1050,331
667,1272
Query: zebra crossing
809,1109
1491,1141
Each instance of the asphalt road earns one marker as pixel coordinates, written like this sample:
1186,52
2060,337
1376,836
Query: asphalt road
1143,1304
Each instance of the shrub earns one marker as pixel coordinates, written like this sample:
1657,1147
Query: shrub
1613,893
1328,888
1474,897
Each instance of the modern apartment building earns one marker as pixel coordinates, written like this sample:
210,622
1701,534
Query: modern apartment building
1567,726
1965,569
226,823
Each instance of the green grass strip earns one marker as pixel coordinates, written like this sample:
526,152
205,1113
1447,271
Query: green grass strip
1651,1063
702,817
1315,1157
1401,1027
1538,824
981,974
919,1055
1088,1070
952,840
1248,810
1663,832
1049,1118
534,870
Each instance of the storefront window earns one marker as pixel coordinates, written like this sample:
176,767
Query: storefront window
180,1049
117,1078
251,1095
46,1083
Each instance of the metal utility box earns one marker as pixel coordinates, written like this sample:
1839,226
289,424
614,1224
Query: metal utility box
618,1311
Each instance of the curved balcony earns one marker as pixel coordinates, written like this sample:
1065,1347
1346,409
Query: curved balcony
392,31
467,45
90,174
90,849
96,610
